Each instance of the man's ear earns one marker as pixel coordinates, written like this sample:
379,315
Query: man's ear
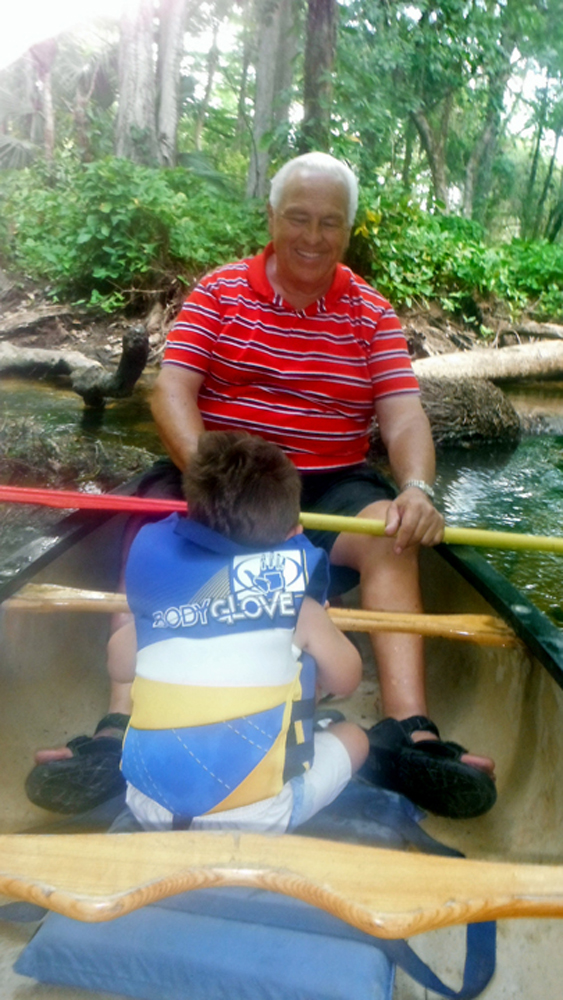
297,530
270,220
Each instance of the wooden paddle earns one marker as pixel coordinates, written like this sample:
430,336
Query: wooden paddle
388,894
483,629
73,500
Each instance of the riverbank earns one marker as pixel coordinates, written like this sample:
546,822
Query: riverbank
81,453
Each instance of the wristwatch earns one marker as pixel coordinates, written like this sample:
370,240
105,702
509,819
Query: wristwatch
420,485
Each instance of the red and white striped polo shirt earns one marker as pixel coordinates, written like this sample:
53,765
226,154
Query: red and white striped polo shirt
305,379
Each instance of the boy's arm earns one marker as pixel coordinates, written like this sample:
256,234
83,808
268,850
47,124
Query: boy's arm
122,654
338,662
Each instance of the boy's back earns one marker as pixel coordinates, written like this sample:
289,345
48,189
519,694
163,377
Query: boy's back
223,698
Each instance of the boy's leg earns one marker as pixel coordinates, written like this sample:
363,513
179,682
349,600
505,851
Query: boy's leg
339,751
355,741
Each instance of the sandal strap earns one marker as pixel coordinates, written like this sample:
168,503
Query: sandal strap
418,723
115,720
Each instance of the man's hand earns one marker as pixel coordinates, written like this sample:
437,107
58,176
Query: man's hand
413,520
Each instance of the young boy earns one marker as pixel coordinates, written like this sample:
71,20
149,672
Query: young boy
233,641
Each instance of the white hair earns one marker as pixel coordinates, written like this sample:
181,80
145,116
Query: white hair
318,163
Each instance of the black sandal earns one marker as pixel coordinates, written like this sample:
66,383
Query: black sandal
85,780
429,773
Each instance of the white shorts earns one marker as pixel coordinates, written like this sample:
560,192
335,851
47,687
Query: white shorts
298,800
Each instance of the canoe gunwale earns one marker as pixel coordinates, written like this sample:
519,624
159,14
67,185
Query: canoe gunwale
532,626
385,893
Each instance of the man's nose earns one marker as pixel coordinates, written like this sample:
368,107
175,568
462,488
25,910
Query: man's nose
314,230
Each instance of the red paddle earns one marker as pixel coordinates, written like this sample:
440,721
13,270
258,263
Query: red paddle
73,500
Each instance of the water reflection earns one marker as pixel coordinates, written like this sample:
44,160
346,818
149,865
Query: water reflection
62,411
522,491
518,489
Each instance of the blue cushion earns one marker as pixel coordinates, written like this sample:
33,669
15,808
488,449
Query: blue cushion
213,944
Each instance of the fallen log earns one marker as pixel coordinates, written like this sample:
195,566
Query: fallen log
94,386
464,413
551,331
88,377
524,361
37,362
25,320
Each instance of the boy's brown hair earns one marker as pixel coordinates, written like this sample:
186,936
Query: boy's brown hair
243,487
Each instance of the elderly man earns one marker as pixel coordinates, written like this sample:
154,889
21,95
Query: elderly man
293,346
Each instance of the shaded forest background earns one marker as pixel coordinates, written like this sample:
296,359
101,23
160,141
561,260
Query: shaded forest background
135,155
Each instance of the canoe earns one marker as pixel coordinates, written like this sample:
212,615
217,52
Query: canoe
504,700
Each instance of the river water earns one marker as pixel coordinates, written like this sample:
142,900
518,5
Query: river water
519,489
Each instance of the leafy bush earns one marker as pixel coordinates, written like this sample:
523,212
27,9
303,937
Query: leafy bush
414,256
108,231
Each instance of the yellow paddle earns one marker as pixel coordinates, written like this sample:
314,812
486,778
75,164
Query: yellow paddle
454,536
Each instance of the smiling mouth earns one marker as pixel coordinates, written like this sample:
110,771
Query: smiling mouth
305,255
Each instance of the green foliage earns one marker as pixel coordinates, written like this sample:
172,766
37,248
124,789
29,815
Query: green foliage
413,256
108,232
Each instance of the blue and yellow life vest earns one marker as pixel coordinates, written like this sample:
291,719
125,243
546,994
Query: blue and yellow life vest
223,701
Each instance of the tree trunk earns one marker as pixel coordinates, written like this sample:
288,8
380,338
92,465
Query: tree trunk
527,207
43,55
545,190
172,14
275,28
242,117
479,166
212,63
481,153
410,136
525,361
434,147
320,47
136,123
80,120
463,413
287,50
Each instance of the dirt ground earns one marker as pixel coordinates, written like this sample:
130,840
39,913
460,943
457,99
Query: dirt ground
28,318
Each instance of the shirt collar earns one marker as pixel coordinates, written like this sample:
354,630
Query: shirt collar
259,282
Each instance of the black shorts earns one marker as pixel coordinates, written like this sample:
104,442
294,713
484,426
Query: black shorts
344,492
341,491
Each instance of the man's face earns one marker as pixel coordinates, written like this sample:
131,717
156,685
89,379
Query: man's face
310,231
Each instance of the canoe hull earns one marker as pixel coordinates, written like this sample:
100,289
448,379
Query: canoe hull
503,702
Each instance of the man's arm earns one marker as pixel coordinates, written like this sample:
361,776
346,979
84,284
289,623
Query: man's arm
405,432
176,412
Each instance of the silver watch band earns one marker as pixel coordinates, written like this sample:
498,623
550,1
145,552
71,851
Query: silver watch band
420,485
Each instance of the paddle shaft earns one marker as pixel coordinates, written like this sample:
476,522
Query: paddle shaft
482,629
453,536
73,500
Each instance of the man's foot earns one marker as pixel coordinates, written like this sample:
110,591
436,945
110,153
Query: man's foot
485,764
84,773
409,757
66,752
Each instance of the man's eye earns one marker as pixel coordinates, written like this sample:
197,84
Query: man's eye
330,224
